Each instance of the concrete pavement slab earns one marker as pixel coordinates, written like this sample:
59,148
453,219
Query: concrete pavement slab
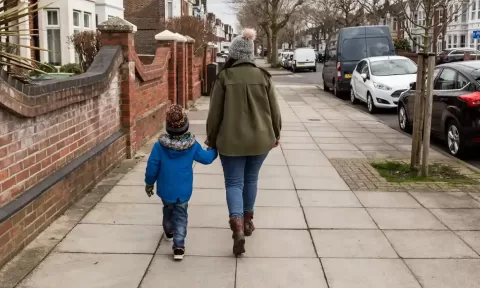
295,134
270,243
338,218
208,216
306,158
274,171
368,273
208,197
352,244
209,242
279,218
279,272
130,194
318,198
446,200
475,196
337,147
387,199
429,244
192,272
459,219
296,146
326,134
99,238
88,270
322,140
472,238
446,273
375,147
207,181
401,219
124,213
298,140
273,198
320,183
312,171
345,154
280,183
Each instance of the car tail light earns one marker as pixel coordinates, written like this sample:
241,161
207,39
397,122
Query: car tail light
445,58
339,71
472,99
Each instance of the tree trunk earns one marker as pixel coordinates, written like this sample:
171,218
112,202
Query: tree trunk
274,59
417,134
427,123
269,48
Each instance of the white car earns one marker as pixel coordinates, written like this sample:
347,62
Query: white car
304,58
379,81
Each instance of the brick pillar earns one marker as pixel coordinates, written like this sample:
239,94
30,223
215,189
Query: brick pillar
190,43
213,54
116,31
181,72
172,69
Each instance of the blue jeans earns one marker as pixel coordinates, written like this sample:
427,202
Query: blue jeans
241,181
175,220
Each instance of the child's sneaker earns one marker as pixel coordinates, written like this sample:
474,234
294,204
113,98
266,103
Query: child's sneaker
178,253
168,236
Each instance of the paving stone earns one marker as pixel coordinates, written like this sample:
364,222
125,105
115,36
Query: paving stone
274,171
306,158
277,198
390,218
262,273
368,273
199,243
209,197
298,140
275,160
193,271
313,171
387,200
323,183
386,154
318,198
214,168
372,140
270,243
295,134
446,273
299,146
459,219
375,147
358,135
352,244
79,270
280,183
345,155
472,238
476,196
429,244
446,200
208,216
323,140
326,134
208,181
336,147
338,218
122,213
280,218
133,178
130,194
98,238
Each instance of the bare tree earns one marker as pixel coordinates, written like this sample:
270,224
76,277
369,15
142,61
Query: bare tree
201,31
423,24
248,17
375,10
320,18
350,11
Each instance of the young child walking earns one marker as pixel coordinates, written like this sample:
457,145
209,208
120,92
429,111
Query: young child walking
170,165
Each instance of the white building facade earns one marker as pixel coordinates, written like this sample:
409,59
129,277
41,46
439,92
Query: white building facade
105,9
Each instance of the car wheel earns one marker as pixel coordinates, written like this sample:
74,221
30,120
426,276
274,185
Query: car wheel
370,104
353,98
455,141
403,119
315,69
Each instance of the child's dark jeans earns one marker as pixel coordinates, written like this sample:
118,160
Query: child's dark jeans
175,220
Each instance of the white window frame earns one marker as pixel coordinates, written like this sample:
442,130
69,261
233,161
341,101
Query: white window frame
85,14
79,13
48,27
169,14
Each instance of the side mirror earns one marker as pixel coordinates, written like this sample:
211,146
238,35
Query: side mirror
364,76
413,86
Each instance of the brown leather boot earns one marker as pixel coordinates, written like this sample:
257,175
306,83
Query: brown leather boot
236,224
249,227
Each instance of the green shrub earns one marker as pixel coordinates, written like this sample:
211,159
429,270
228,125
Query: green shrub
402,44
45,67
71,68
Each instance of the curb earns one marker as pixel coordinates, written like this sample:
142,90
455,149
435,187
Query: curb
455,159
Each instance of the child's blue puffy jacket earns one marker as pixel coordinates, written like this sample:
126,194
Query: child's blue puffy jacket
170,165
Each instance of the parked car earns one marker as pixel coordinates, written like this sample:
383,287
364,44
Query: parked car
304,59
378,81
348,46
285,58
455,110
456,54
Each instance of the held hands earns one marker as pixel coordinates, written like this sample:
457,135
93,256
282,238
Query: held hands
149,190
277,142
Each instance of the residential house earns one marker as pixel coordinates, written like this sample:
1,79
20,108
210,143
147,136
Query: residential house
105,9
199,10
150,17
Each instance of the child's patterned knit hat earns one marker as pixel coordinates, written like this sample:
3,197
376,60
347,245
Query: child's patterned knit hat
177,121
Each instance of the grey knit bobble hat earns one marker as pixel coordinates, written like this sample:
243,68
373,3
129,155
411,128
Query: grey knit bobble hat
242,45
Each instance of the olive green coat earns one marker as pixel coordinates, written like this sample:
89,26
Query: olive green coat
244,117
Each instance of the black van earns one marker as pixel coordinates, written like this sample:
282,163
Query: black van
348,46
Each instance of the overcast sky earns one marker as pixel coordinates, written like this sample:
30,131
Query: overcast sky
223,10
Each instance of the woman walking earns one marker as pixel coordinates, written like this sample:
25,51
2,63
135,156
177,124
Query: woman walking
243,124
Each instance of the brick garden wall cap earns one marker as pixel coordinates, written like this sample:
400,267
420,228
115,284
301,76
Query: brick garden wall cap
190,39
181,38
166,35
117,24
212,45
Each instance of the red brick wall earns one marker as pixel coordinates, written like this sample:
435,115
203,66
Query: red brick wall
197,78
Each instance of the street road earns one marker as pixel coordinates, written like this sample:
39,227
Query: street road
387,116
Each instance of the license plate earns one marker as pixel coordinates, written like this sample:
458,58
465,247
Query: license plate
299,64
348,76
